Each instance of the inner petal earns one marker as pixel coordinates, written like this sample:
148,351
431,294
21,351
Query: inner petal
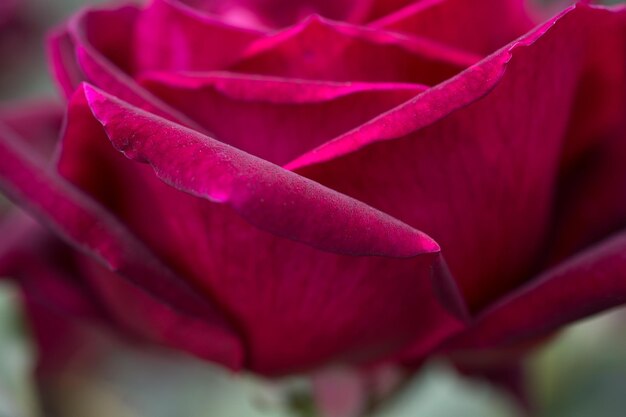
276,119
323,50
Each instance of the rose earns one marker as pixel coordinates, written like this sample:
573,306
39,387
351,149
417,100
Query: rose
280,199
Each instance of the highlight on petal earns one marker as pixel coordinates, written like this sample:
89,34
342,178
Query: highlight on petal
25,179
36,121
479,26
441,149
288,117
320,49
274,201
269,14
185,40
334,269
86,50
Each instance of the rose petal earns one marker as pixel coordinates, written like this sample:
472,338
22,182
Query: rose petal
320,49
478,26
226,176
593,168
486,148
583,285
62,62
288,117
93,231
58,310
87,50
281,13
170,36
281,285
18,231
36,121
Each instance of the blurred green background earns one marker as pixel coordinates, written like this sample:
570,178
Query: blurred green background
582,373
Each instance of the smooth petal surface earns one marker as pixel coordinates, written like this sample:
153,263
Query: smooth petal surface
264,194
474,161
17,231
584,285
281,13
85,50
186,40
24,178
60,311
288,117
588,206
478,26
283,285
37,122
320,49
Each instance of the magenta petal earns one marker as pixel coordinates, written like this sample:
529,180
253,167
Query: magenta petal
319,49
288,117
98,55
478,26
170,36
275,200
583,285
63,65
16,229
86,225
477,165
280,13
341,299
59,311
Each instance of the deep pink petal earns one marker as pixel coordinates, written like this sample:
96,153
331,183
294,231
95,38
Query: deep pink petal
62,62
38,122
478,26
17,230
486,149
586,284
24,178
593,167
320,49
280,13
273,286
170,36
264,194
288,117
59,311
86,50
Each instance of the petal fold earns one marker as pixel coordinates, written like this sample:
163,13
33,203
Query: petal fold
24,178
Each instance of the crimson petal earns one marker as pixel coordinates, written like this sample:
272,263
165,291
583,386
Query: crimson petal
79,220
382,258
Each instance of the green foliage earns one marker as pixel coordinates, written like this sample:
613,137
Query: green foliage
16,359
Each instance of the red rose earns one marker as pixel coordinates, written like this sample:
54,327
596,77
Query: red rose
374,182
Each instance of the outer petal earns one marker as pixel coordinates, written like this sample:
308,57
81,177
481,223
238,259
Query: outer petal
24,178
55,299
272,285
583,285
288,117
17,231
478,26
274,201
593,167
37,122
62,61
485,150
87,50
